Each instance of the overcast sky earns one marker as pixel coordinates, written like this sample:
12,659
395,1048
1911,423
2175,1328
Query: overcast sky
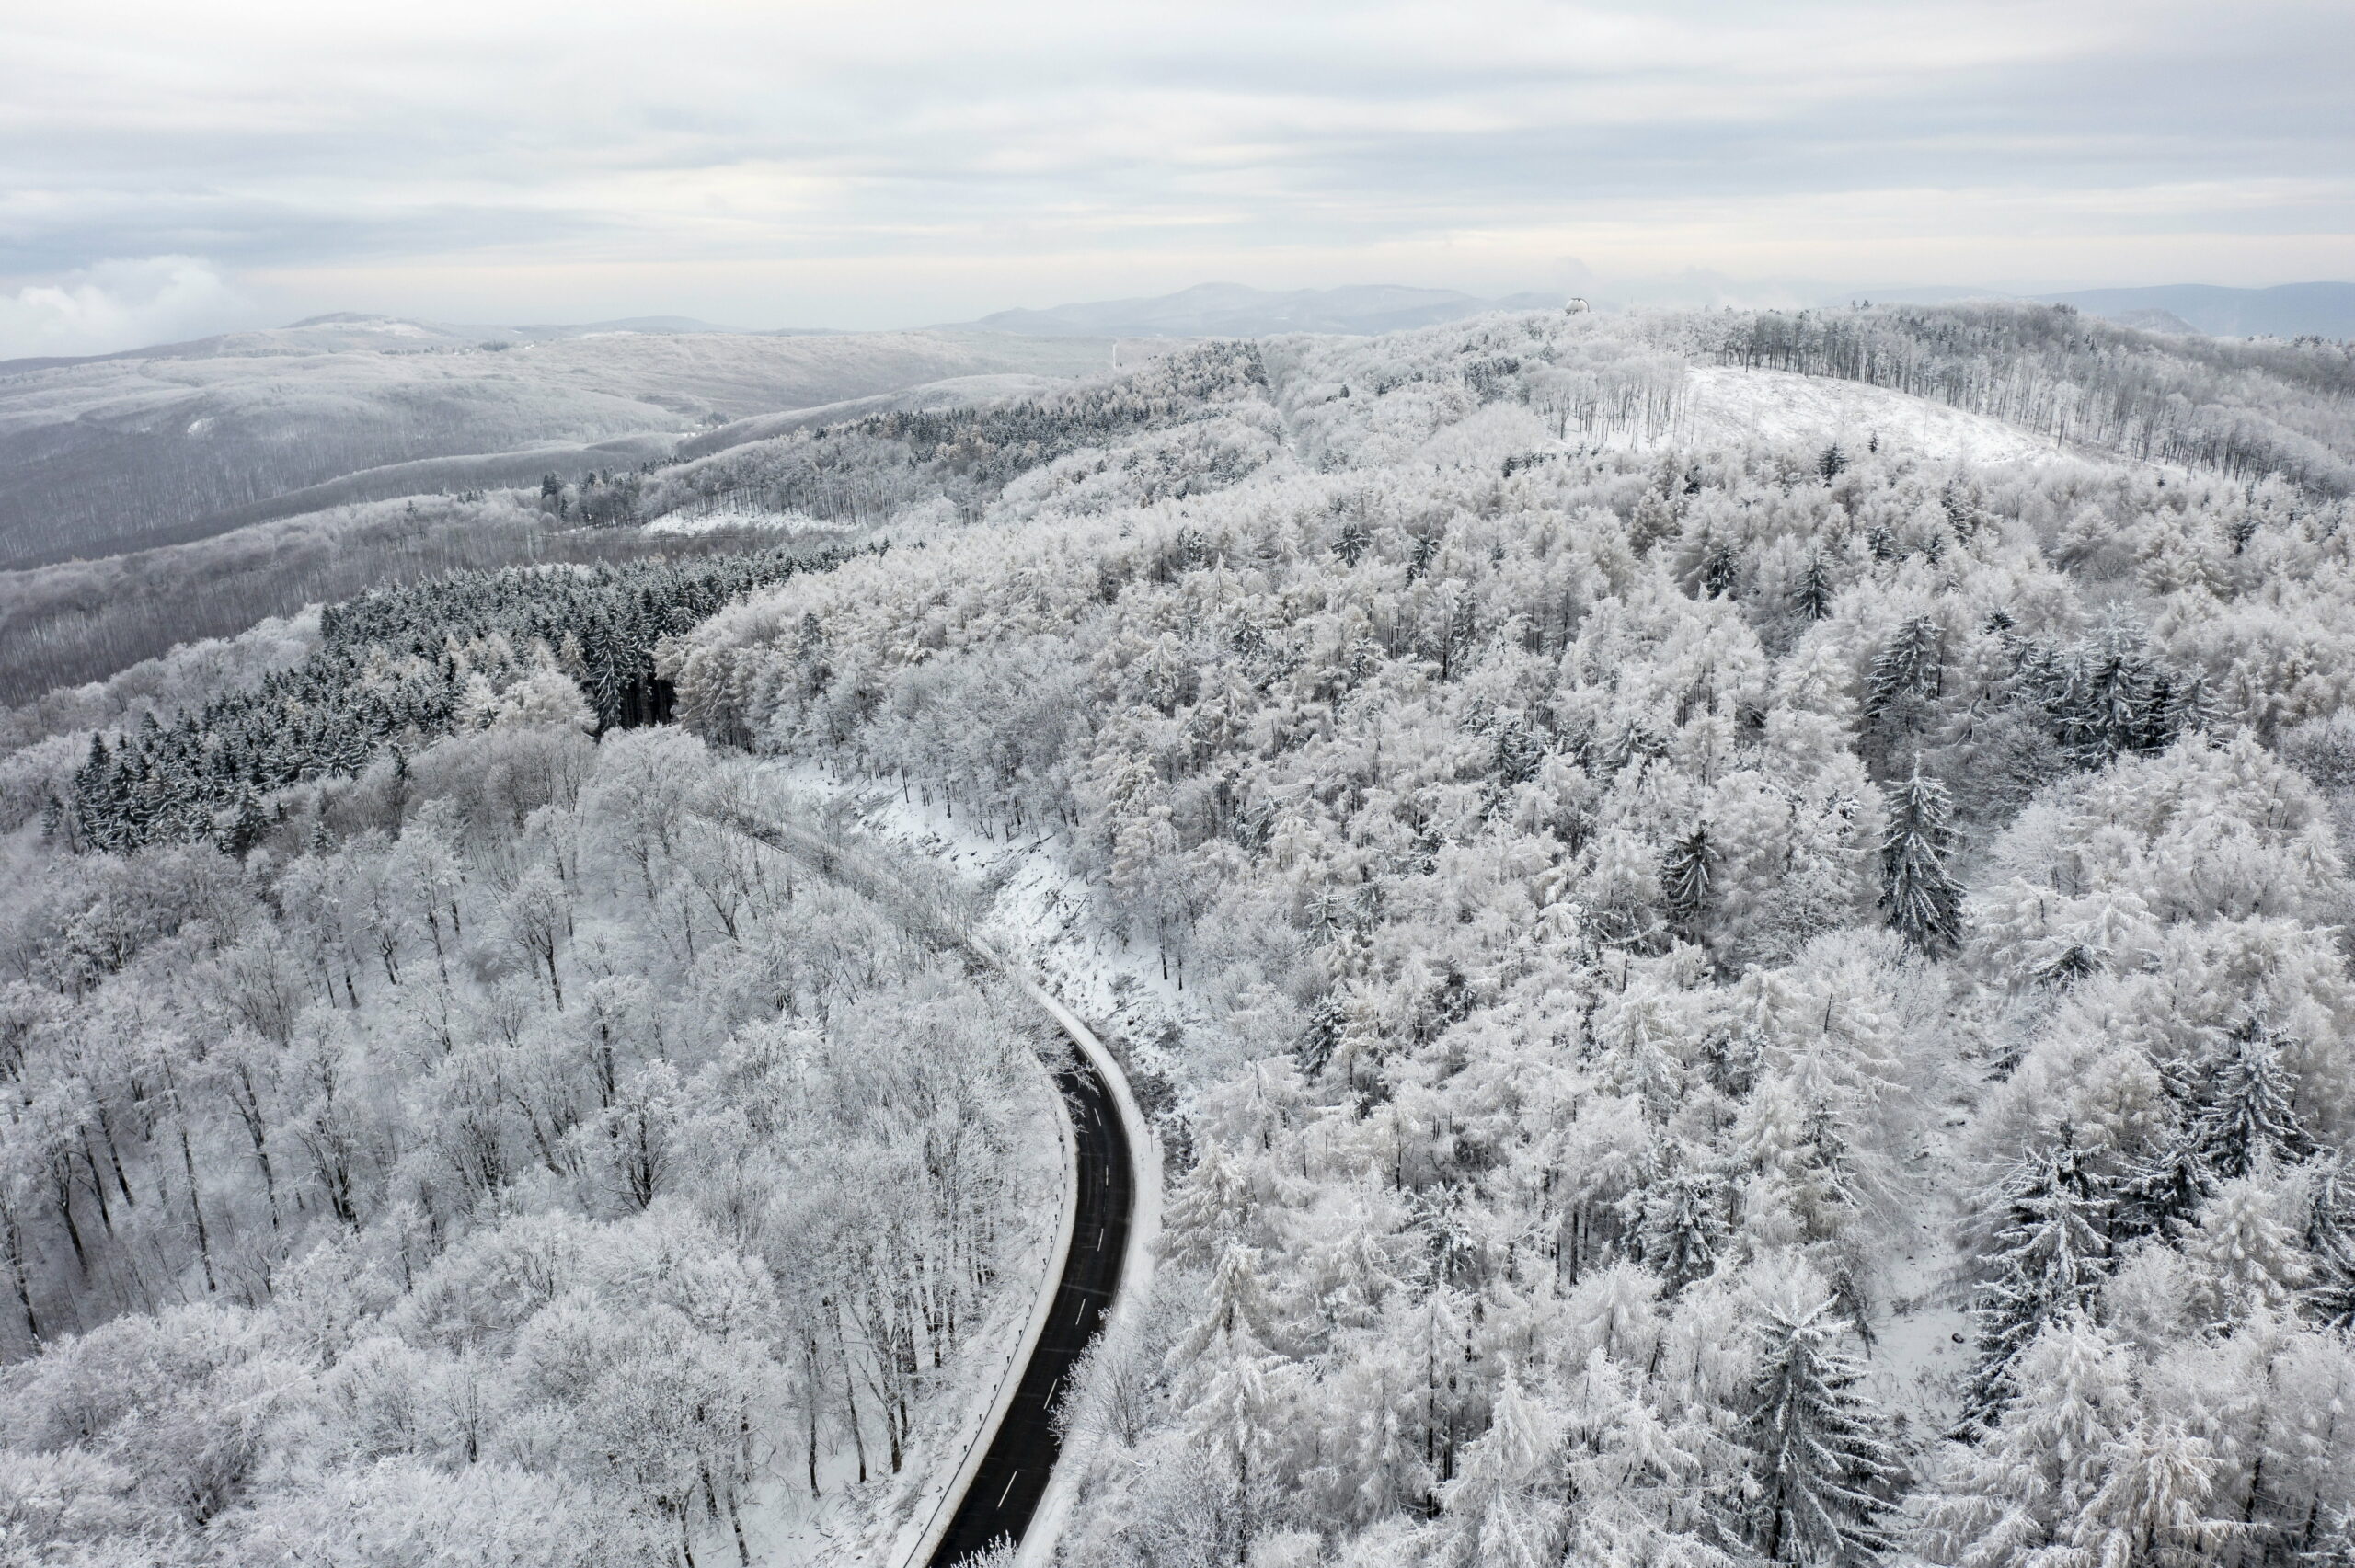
173,167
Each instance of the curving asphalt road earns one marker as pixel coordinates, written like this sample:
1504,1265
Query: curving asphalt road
1013,1475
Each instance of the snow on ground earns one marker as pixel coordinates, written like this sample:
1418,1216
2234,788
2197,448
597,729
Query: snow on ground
954,391
1923,1347
391,328
721,518
1036,912
876,1525
925,520
1725,402
1924,1342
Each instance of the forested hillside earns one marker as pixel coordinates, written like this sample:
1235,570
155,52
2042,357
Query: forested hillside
1733,999
1622,893
395,671
504,1160
81,622
2249,409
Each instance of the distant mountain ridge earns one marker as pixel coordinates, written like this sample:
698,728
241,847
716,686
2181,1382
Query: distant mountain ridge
1236,310
342,331
2286,310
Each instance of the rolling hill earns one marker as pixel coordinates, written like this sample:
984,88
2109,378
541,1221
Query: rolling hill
102,455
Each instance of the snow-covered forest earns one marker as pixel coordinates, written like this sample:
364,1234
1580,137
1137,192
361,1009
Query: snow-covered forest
1734,995
1676,924
501,1159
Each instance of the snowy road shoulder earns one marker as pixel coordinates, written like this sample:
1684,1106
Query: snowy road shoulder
1030,928
922,1529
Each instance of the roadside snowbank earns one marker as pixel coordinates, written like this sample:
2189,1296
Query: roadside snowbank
876,1525
883,1522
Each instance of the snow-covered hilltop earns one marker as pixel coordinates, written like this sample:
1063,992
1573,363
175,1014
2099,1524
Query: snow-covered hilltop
1733,924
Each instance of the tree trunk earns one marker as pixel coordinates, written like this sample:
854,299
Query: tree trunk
61,1173
196,1206
12,1253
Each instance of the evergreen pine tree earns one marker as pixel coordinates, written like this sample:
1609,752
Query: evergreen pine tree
2116,701
1906,673
2107,696
1683,1225
2248,1119
1925,903
2330,1239
2049,1260
245,827
143,801
1686,875
1812,596
2186,708
1355,539
1821,1456
93,796
1720,571
1322,1035
2165,1190
1518,753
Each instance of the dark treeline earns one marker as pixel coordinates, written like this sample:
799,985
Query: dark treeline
81,621
397,669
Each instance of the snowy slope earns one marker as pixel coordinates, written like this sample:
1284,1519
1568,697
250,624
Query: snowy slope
1726,404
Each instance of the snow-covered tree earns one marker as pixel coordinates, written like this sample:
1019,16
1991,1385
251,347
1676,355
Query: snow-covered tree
2250,1119
2022,1489
1505,1506
2048,1261
1686,875
2153,1505
1822,1466
1923,901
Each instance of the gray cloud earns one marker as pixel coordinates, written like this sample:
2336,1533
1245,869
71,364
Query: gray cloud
117,303
850,162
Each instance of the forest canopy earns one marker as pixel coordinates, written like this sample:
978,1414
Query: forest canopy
1716,992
